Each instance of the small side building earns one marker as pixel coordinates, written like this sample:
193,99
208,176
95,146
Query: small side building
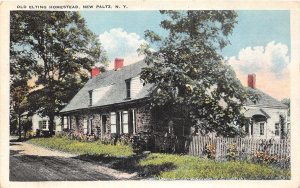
268,116
42,123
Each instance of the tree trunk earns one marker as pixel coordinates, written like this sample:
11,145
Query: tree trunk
19,125
51,124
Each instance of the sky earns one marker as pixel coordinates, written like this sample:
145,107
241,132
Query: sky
260,43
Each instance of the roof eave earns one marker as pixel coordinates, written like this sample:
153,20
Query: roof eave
106,106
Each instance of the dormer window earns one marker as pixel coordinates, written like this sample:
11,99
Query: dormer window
91,97
128,89
97,94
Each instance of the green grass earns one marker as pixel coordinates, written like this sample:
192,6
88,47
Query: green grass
164,166
83,148
189,167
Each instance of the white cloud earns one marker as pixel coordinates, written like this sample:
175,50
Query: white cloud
270,63
121,44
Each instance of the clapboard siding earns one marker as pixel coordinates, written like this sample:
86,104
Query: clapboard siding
136,86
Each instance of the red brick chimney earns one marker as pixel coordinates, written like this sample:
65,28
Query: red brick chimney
252,80
118,63
95,71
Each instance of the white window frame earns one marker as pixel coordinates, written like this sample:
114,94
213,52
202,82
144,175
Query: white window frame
113,122
44,124
85,126
133,121
65,122
125,121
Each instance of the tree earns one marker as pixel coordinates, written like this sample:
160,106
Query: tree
191,79
18,102
57,49
19,88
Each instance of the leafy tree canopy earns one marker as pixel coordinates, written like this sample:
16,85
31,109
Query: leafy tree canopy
56,50
192,80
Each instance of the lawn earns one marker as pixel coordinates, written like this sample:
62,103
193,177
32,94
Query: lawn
83,148
163,166
190,167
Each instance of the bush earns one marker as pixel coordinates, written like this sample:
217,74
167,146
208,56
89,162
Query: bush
232,152
31,133
262,157
107,140
125,139
210,151
143,141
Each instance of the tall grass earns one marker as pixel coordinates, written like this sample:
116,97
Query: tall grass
83,148
189,167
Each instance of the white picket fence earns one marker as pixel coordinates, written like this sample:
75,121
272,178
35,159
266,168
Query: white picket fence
244,146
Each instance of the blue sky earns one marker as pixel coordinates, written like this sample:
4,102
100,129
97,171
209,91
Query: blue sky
260,42
254,28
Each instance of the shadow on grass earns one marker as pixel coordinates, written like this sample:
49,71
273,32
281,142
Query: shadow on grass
128,164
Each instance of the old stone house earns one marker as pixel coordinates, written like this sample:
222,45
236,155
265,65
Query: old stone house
116,102
112,102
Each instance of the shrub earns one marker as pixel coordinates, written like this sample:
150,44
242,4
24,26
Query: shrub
232,152
60,134
143,141
31,133
210,151
107,140
262,157
125,139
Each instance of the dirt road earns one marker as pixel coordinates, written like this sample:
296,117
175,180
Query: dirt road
32,163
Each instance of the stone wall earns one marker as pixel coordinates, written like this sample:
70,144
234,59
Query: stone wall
143,118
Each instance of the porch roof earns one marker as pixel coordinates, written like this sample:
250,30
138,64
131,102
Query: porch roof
257,111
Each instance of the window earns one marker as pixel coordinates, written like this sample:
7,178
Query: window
104,124
85,128
113,122
98,94
40,124
277,129
262,128
125,121
247,129
44,124
91,97
91,126
128,88
65,122
70,122
131,122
